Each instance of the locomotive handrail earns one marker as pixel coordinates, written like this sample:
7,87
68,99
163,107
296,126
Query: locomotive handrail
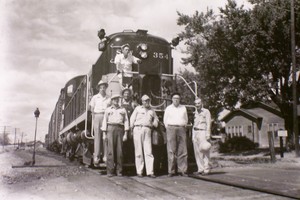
157,106
194,92
86,110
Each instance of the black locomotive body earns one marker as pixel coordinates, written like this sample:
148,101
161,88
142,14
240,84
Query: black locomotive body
71,122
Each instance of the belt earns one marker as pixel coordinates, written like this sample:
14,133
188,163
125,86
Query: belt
198,129
176,125
99,113
119,125
142,126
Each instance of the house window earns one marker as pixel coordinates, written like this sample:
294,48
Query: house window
241,131
249,129
273,127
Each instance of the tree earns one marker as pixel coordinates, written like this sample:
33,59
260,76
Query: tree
4,139
243,55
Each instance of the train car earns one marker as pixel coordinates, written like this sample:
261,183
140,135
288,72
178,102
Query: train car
153,76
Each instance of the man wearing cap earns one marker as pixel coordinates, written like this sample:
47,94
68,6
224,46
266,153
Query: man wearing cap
175,120
201,133
115,127
98,104
142,120
129,105
124,63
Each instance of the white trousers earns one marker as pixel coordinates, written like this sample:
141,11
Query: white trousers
143,150
202,157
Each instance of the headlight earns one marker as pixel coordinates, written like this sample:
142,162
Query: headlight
143,46
143,54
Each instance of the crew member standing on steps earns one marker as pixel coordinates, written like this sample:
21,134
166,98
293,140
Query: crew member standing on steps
98,104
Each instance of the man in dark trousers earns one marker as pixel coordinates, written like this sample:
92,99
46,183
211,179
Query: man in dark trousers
175,120
115,126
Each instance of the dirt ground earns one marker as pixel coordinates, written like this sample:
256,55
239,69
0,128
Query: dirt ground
53,174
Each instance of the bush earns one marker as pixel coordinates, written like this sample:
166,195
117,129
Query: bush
236,144
55,147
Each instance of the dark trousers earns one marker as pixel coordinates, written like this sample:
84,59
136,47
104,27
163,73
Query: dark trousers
114,149
177,149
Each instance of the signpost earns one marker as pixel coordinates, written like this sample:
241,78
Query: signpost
281,134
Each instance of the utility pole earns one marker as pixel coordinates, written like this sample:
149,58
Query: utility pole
4,136
295,99
15,137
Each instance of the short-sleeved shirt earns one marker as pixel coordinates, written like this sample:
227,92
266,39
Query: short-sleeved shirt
115,116
202,119
99,103
142,116
125,64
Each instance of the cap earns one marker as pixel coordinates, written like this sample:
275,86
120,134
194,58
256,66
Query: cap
175,93
125,45
205,146
197,100
145,97
102,83
126,89
115,96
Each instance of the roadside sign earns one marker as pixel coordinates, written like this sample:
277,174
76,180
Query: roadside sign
282,133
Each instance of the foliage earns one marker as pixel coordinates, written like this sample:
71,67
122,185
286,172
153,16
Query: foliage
243,55
236,144
4,139
55,147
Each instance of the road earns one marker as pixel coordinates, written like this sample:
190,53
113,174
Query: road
56,178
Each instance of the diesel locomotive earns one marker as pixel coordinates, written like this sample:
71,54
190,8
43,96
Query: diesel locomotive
71,121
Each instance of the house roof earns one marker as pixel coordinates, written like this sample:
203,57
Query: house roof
269,107
242,112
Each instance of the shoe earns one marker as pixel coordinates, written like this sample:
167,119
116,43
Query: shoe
140,175
171,175
184,174
151,176
198,173
205,173
110,175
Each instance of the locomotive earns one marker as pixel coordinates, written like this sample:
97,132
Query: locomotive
71,121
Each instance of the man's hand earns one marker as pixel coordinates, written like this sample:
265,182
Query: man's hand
207,137
125,136
104,137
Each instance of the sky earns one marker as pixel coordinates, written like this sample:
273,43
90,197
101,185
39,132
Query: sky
44,43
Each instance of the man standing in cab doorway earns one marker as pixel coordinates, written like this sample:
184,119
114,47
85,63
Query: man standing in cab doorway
98,104
124,61
175,120
142,120
201,133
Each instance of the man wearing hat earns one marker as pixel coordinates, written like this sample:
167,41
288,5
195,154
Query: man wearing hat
175,120
124,61
98,104
129,105
201,133
115,127
142,120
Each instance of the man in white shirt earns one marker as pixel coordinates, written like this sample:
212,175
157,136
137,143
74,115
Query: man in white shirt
124,63
175,120
98,104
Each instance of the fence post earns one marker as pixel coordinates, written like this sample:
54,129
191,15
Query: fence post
271,146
